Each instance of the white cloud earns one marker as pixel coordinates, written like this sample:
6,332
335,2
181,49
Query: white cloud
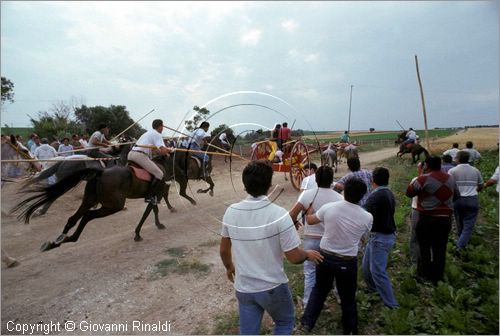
289,25
309,94
242,72
251,38
268,87
311,58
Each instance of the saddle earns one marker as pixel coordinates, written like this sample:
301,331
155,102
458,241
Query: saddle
409,146
139,172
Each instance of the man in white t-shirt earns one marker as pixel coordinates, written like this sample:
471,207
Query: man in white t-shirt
314,198
46,152
196,141
474,155
224,141
493,180
98,141
309,182
452,152
258,232
142,153
345,223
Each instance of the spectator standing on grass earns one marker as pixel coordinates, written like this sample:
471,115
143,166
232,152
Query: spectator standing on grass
314,198
436,191
493,180
258,232
363,174
345,223
309,182
452,152
381,204
414,248
469,182
474,155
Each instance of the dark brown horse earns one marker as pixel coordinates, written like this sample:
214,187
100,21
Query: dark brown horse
414,149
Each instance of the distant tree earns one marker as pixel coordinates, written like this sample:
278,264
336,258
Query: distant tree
201,114
7,90
56,123
372,129
116,117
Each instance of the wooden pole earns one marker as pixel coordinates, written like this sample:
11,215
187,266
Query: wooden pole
423,106
126,129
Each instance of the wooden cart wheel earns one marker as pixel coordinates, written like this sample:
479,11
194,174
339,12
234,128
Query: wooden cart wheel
299,157
261,151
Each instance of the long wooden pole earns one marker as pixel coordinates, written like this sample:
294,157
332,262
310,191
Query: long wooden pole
126,129
423,105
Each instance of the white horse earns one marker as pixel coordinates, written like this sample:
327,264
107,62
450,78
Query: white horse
351,151
329,156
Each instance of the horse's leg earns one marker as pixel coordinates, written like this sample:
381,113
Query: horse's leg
182,180
87,217
166,189
210,188
159,225
89,200
144,216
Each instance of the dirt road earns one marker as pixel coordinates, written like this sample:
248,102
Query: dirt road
173,276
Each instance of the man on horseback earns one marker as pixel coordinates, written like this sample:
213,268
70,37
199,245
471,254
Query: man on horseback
98,140
411,137
196,142
344,138
142,153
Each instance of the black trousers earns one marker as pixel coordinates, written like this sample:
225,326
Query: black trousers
345,273
432,235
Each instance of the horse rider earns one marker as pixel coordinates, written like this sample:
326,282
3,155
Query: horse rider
225,143
149,143
197,139
97,141
344,138
411,136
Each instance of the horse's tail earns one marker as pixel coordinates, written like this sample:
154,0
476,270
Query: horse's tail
52,192
45,174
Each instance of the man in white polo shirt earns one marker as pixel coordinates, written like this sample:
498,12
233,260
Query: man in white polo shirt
345,223
258,232
314,198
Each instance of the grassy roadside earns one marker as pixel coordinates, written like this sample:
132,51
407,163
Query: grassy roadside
466,303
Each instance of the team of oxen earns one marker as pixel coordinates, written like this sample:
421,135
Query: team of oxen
110,184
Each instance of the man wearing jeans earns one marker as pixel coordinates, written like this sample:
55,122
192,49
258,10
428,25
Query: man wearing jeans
314,198
469,182
345,223
381,204
258,233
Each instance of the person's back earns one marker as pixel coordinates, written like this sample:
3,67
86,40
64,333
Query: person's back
452,151
45,151
474,155
258,232
365,175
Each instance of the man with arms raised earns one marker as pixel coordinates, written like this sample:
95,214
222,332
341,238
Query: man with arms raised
258,232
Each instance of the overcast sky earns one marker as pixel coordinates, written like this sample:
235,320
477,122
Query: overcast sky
295,61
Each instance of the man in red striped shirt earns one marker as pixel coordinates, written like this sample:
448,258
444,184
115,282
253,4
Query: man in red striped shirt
436,191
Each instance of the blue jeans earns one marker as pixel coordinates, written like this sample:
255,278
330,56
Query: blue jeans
466,211
202,156
374,266
309,268
278,304
345,273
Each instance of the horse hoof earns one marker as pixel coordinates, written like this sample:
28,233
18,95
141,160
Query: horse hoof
201,191
137,238
61,239
47,246
211,193
173,210
193,202
160,226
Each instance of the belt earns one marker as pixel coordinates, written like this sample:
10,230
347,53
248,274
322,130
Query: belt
336,255
138,151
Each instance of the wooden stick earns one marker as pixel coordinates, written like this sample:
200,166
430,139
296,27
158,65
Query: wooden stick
126,129
196,151
423,106
55,161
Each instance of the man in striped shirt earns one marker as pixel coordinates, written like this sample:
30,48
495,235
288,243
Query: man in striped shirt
436,191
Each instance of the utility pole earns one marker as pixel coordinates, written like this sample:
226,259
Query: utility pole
423,105
350,102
